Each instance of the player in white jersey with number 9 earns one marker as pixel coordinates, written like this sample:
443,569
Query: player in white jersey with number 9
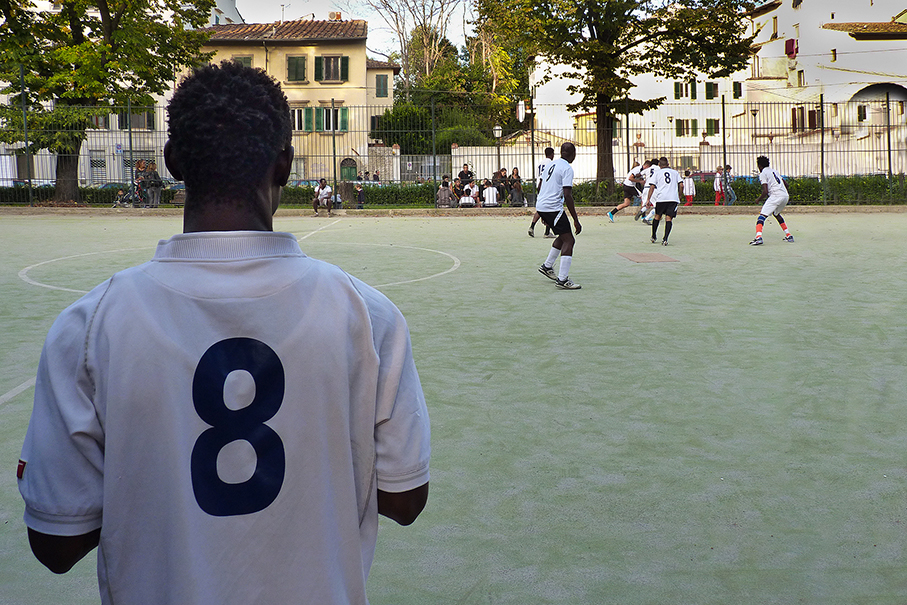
279,415
775,194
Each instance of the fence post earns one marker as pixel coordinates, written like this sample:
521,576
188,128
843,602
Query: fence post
129,126
532,137
723,148
888,135
627,128
333,152
434,148
31,198
822,183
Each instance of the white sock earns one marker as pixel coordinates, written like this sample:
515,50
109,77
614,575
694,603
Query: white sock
552,256
564,270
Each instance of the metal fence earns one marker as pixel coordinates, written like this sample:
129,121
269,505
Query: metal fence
816,140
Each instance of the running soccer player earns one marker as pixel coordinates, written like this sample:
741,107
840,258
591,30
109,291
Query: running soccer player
540,171
632,188
279,415
666,187
645,206
557,192
775,194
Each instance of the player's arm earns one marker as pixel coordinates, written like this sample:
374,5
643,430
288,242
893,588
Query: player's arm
651,191
403,507
680,190
60,553
568,201
764,195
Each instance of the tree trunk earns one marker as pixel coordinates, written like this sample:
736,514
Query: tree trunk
67,189
604,122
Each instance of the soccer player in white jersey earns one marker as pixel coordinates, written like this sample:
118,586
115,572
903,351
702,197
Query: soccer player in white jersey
555,193
666,187
775,194
281,411
632,187
645,206
539,173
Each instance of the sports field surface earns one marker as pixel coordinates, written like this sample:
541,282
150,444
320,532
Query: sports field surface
730,428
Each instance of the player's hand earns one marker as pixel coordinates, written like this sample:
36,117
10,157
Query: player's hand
579,228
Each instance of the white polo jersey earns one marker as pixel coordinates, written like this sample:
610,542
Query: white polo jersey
323,194
540,172
634,172
225,413
771,177
665,181
558,175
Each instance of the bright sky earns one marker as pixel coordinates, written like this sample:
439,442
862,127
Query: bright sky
381,38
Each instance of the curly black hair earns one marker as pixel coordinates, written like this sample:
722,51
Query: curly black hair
227,124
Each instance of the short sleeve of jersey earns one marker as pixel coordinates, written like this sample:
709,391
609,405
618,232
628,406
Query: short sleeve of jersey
402,430
62,482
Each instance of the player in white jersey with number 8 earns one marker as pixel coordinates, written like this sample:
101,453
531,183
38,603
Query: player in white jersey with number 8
666,187
280,411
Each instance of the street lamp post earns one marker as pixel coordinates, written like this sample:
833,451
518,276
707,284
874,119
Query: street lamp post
753,112
671,134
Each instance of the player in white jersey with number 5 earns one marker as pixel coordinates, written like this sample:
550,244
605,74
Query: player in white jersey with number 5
281,411
775,194
665,189
556,193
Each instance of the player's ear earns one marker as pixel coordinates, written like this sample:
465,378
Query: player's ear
283,165
170,162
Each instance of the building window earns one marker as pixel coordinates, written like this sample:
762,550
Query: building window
711,90
684,90
320,119
686,128
801,78
381,85
712,127
332,69
100,122
834,55
862,113
142,120
797,3
738,90
295,69
774,27
244,60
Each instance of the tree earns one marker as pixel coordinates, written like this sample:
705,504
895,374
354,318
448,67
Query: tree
606,42
80,61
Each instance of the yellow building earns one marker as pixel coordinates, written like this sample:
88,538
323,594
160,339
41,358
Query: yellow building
335,91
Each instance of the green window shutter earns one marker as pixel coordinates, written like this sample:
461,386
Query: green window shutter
695,127
711,90
678,90
738,90
678,128
149,119
693,89
344,119
295,69
381,85
319,69
319,119
344,69
244,61
308,119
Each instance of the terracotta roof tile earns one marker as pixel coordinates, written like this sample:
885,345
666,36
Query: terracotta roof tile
888,29
373,64
289,31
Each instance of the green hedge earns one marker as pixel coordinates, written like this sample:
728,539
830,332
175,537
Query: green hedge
871,189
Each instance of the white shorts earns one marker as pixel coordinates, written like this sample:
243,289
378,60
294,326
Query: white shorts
774,204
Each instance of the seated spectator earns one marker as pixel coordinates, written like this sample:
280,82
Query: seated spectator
491,195
466,175
457,189
470,194
375,177
445,197
499,181
515,188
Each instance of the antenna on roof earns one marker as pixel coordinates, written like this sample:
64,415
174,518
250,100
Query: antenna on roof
282,9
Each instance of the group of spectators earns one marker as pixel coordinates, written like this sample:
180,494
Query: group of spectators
466,191
145,190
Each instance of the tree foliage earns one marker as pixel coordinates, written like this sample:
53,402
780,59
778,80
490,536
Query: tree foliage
86,56
604,43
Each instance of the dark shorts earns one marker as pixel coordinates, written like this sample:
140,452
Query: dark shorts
666,209
558,221
630,192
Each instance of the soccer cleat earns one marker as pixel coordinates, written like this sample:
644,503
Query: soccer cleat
789,239
652,239
531,232
550,235
756,241
638,214
646,221
566,284
548,272
611,216
664,242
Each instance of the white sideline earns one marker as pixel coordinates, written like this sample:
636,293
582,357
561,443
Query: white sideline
19,389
